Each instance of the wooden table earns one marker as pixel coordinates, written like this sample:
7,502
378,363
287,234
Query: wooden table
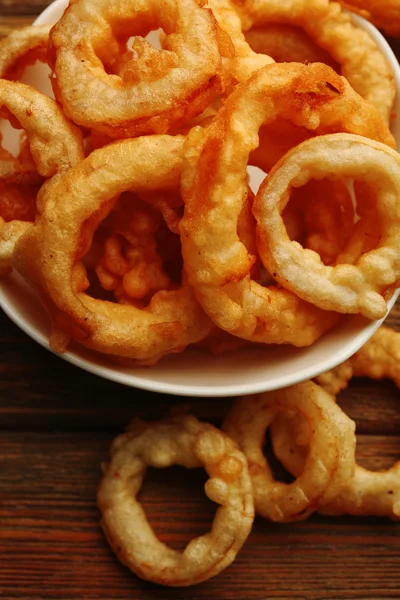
56,426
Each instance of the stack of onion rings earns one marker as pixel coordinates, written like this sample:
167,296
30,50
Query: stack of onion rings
217,262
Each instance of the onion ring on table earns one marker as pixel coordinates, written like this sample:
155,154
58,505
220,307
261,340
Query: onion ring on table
378,359
384,15
189,443
330,460
286,43
343,288
195,72
71,207
331,28
54,144
369,492
21,48
216,261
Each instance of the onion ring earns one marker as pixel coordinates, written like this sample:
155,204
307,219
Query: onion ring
21,48
54,145
186,442
345,288
385,15
330,460
331,28
378,359
368,492
49,253
246,61
9,235
217,263
83,40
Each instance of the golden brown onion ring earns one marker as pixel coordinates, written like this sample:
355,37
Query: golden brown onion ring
378,359
245,61
214,187
53,142
9,235
330,460
186,442
21,48
368,492
385,15
331,28
344,288
49,254
179,81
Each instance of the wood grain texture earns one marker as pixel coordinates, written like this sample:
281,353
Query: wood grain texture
56,426
51,545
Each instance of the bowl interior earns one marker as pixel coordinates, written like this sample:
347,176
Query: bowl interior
194,373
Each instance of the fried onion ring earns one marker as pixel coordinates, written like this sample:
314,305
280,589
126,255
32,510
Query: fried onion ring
343,288
378,359
330,460
216,261
331,28
186,442
246,61
369,492
54,144
21,48
50,253
178,83
385,15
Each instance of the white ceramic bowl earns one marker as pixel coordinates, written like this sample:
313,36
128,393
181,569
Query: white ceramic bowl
194,373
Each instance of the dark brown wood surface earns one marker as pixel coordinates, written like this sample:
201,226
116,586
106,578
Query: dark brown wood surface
56,426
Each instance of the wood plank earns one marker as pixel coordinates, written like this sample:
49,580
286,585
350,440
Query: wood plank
22,7
38,389
51,545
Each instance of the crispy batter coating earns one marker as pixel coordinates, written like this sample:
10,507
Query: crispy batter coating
147,94
245,61
214,188
368,492
331,28
330,460
346,288
385,15
52,146
49,254
21,48
186,442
